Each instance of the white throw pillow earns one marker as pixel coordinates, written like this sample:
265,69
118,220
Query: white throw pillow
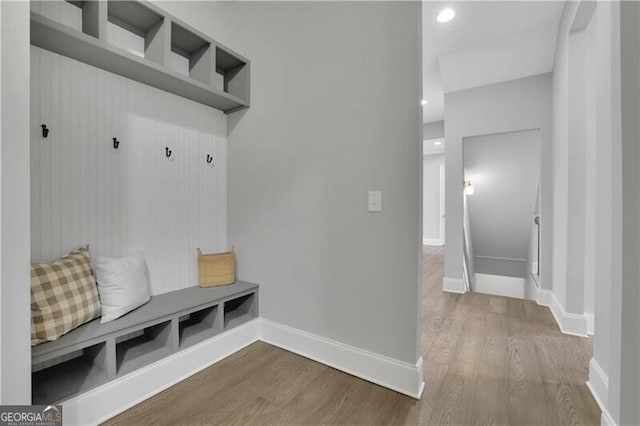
123,284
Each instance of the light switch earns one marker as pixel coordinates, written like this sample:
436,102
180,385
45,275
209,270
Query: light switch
375,201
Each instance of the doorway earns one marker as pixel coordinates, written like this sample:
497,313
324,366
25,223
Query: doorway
433,197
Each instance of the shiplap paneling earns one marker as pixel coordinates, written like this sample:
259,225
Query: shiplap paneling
132,199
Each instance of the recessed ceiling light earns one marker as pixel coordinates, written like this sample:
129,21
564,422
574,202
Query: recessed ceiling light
446,15
423,102
437,143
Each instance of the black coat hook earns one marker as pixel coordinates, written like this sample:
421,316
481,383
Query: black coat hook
209,159
167,152
116,143
45,131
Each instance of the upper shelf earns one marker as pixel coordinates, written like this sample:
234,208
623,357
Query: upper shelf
160,50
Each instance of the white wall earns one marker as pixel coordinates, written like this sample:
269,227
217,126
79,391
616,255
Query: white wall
431,197
516,105
592,163
607,95
324,127
15,359
582,167
614,157
576,164
83,191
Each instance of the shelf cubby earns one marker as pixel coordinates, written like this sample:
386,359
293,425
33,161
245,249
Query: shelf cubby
137,40
59,380
234,71
192,54
82,16
198,326
138,29
148,345
239,310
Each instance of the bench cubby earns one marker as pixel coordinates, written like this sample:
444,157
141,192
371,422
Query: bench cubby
143,347
198,326
66,376
94,353
239,310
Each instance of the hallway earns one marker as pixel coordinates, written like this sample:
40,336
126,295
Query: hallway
497,360
489,360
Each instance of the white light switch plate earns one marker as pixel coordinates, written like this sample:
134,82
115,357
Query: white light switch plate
375,201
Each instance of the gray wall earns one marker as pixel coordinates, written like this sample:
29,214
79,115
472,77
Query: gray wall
505,170
433,130
523,104
431,196
625,379
324,127
15,351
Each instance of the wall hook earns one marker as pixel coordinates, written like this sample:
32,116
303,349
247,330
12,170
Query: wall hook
209,159
116,143
45,131
167,152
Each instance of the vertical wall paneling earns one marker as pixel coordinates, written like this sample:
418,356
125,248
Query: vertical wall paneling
131,199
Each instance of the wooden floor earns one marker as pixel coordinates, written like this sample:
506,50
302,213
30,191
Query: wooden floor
489,360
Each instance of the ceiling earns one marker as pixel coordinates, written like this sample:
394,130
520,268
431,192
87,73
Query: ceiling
487,42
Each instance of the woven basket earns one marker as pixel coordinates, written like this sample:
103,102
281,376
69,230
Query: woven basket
216,268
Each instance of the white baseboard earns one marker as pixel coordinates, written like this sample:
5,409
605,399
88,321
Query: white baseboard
106,401
432,242
453,285
500,285
573,324
606,419
598,384
393,374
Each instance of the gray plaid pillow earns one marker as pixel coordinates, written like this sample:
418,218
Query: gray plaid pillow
64,296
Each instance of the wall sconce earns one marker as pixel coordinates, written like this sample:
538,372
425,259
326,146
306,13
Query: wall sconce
468,187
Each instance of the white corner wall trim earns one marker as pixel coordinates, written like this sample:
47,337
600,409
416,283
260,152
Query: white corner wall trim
453,285
606,419
572,324
110,399
598,384
390,373
432,242
590,323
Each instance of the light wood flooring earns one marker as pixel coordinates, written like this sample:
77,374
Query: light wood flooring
489,360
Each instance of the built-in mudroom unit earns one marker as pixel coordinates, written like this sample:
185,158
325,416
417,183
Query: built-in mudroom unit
129,156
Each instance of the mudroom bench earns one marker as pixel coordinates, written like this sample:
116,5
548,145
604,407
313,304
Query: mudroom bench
95,353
